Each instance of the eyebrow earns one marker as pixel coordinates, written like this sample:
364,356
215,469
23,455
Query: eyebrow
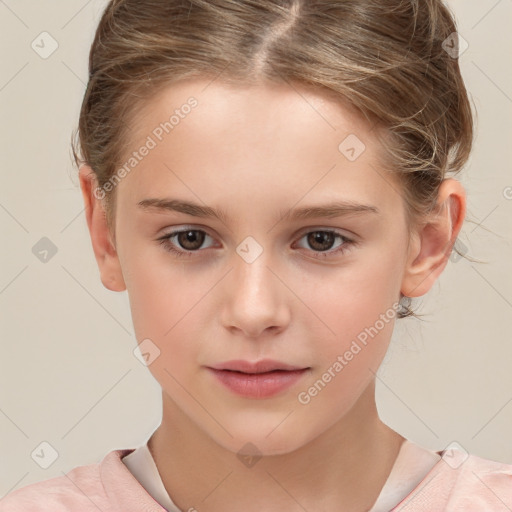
333,209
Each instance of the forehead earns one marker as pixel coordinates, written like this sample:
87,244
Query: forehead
265,107
258,142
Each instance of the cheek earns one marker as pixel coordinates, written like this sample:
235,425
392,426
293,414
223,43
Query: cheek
346,363
162,302
354,298
162,313
358,308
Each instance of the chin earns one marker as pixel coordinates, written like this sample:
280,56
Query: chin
264,439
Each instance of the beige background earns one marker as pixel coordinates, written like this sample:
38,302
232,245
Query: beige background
68,375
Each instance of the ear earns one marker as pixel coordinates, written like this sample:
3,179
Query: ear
101,237
433,242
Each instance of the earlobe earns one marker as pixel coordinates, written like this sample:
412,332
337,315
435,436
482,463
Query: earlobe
433,242
101,236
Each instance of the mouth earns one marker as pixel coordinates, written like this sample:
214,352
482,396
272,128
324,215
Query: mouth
257,367
260,379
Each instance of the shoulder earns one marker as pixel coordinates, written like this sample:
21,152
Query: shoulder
79,489
462,482
480,484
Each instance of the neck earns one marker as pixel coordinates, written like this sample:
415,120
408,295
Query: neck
348,464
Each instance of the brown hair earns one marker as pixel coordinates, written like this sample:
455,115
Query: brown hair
385,57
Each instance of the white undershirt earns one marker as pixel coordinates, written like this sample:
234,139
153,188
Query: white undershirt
411,466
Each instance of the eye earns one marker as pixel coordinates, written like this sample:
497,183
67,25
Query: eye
322,241
190,240
186,242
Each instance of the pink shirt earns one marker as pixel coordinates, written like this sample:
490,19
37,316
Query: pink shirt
457,482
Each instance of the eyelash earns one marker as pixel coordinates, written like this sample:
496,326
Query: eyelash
342,249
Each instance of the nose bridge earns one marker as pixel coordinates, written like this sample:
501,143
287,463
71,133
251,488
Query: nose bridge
254,299
252,277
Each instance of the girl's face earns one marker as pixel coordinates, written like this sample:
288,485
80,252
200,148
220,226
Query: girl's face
261,272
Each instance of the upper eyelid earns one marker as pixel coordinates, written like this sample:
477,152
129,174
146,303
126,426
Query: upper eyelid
336,231
301,232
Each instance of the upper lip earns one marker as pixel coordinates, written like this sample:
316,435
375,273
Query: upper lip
265,365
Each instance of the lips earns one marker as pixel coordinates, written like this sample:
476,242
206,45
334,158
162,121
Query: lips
263,366
260,379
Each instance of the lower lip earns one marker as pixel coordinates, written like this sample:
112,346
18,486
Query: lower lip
258,385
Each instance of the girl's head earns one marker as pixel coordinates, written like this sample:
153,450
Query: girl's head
258,112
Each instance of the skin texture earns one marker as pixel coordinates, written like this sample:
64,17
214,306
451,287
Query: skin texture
256,153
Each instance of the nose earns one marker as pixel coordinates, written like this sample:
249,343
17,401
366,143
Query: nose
254,299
